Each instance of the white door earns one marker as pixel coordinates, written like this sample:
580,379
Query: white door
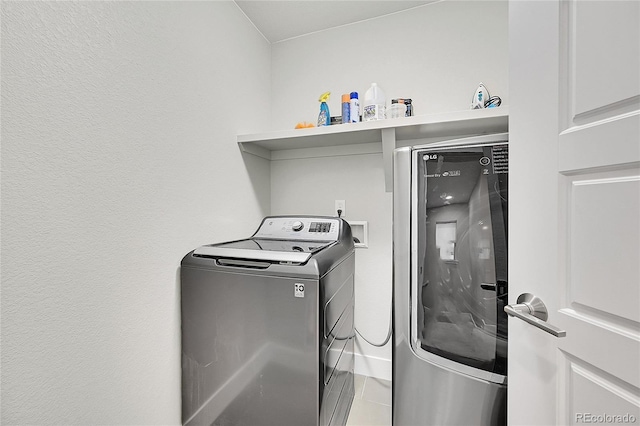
575,210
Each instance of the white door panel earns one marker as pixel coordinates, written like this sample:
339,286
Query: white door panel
595,397
575,210
591,145
588,331
603,41
602,210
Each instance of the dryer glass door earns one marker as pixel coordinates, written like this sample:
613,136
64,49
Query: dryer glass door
461,264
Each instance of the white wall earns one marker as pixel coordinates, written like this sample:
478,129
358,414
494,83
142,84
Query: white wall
436,55
310,186
118,157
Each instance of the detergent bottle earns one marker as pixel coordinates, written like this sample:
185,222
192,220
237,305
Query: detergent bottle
374,104
324,118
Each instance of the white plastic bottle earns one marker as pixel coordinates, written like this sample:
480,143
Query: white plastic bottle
374,104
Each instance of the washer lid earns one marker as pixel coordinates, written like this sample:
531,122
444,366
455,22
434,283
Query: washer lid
280,251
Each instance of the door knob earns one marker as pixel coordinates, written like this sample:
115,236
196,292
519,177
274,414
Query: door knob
532,310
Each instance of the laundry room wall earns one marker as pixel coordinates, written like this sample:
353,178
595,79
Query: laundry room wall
436,55
119,155
311,186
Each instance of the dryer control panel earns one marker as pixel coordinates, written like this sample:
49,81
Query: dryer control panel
299,228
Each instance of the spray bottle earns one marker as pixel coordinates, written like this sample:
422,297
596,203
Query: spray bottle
324,118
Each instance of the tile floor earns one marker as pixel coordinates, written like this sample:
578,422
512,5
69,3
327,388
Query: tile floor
372,402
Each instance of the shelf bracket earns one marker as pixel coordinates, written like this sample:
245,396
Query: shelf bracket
254,149
388,145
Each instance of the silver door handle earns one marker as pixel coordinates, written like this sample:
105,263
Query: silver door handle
531,309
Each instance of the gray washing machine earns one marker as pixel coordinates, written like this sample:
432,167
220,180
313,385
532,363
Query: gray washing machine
267,326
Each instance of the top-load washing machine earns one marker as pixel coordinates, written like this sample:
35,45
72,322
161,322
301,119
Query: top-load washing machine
267,326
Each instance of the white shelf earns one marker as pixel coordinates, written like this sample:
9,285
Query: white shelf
388,132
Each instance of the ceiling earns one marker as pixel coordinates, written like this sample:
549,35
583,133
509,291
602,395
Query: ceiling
284,19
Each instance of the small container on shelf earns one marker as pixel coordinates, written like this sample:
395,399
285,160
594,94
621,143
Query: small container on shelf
408,105
354,108
398,109
346,105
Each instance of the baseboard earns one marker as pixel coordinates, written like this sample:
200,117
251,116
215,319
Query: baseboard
372,366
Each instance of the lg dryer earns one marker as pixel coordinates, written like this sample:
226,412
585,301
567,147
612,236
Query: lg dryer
267,326
450,223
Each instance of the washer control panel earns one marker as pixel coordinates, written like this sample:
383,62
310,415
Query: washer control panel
299,228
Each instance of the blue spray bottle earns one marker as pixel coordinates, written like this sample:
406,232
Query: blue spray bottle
324,118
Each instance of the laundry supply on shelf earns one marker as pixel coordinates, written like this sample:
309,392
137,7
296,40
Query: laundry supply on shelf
374,104
324,118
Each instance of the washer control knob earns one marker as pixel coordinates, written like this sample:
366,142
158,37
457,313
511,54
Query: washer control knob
297,226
